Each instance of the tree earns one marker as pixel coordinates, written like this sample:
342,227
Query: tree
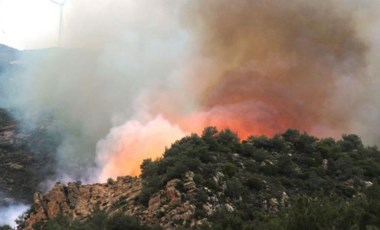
350,142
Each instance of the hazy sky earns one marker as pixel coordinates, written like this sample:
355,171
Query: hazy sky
26,24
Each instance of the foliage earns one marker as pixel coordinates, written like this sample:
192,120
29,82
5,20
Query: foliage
5,227
289,181
99,220
324,179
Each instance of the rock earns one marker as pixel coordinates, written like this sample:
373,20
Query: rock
224,187
208,208
214,199
15,166
229,207
284,199
80,201
273,205
187,215
207,190
265,205
154,202
219,175
266,162
72,194
189,185
325,163
172,183
368,184
173,196
189,175
201,222
273,202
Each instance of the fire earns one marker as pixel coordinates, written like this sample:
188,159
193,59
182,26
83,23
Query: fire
245,119
258,74
125,147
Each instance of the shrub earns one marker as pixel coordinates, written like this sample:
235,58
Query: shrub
350,142
229,169
254,183
234,188
260,155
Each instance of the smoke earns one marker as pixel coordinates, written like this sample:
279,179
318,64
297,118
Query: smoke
8,215
98,82
136,75
297,59
125,147
367,19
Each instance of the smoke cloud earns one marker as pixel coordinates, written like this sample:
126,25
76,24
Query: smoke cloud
98,81
134,76
8,215
295,59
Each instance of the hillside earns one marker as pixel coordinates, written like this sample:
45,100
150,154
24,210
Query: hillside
26,158
216,181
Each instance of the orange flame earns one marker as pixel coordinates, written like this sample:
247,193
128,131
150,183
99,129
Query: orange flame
123,150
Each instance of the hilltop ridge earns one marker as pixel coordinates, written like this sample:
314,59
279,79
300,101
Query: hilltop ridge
216,181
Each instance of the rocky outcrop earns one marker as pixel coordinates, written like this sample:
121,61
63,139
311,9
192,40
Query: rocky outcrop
166,207
80,201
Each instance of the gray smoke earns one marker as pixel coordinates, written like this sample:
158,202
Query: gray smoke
121,51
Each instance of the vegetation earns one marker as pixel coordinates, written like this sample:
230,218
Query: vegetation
99,220
290,181
317,183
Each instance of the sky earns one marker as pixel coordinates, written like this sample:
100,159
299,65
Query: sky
29,24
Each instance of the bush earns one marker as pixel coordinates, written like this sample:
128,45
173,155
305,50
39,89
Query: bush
99,220
229,169
350,142
61,222
253,182
224,220
325,213
234,188
260,155
121,222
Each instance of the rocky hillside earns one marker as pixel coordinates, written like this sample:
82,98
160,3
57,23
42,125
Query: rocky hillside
166,207
216,181
26,158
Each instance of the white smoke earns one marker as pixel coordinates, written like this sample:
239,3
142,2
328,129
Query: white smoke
9,214
116,52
